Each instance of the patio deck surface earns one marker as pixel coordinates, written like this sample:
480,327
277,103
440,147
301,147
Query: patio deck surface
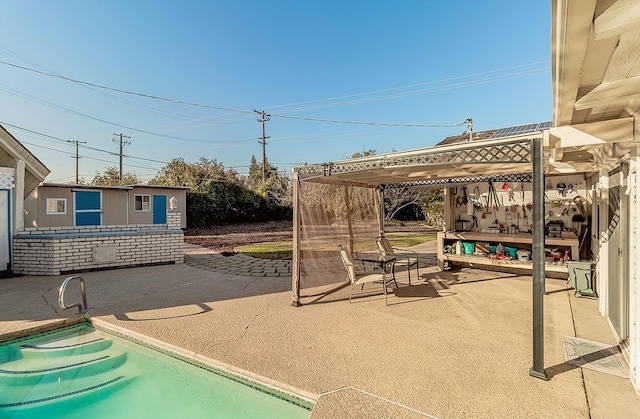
455,344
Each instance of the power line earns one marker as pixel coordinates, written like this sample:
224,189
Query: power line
313,107
129,92
86,157
65,109
384,124
411,85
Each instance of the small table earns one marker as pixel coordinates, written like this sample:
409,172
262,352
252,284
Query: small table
383,262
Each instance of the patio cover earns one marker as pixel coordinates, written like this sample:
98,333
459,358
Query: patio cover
339,203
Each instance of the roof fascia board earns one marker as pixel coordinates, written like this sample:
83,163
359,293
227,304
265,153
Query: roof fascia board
571,29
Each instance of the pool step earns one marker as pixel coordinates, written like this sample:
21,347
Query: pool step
55,350
60,344
63,369
24,397
57,367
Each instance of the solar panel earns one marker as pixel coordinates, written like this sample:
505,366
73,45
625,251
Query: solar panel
521,130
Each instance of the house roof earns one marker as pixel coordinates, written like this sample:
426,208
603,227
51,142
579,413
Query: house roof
596,80
159,186
85,186
482,135
35,170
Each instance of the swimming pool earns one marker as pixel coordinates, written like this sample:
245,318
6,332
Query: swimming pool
81,371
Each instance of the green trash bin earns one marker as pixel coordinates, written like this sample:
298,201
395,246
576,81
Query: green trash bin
581,264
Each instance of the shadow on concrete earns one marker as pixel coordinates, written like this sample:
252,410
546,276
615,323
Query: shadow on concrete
579,362
117,292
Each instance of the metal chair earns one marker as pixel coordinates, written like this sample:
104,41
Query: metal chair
361,278
404,257
584,282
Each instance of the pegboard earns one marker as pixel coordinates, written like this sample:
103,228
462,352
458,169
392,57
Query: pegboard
515,203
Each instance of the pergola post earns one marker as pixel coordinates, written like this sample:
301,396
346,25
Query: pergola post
347,201
296,241
381,209
537,370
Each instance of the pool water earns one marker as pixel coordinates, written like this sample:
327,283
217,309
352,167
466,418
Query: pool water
81,372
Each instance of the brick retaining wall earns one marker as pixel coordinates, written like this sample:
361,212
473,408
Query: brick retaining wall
60,250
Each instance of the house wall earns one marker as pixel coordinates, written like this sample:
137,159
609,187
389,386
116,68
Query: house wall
114,207
146,217
117,206
634,270
55,251
35,208
600,246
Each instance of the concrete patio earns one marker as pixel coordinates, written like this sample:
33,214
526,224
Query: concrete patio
455,344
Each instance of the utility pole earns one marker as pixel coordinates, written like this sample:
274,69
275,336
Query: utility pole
77,156
263,141
122,144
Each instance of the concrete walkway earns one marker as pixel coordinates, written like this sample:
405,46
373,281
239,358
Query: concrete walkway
455,344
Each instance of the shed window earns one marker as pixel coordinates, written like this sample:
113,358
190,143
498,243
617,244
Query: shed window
56,206
142,202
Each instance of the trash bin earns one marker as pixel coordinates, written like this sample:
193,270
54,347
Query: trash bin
581,264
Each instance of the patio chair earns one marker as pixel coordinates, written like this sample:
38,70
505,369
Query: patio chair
361,278
404,257
584,282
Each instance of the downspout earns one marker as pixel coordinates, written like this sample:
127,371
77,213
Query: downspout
537,370
295,273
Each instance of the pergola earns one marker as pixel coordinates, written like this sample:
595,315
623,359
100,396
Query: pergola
515,158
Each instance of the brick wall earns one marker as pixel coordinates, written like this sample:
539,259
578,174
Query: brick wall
60,250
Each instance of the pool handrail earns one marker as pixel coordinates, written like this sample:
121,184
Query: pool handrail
82,307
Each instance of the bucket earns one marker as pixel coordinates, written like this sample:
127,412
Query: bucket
468,248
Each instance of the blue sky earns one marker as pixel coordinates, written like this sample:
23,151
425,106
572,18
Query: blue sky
403,62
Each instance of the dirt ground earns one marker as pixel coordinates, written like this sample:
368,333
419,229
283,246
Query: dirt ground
226,238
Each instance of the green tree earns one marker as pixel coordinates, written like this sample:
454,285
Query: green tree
277,188
364,153
219,196
111,177
195,176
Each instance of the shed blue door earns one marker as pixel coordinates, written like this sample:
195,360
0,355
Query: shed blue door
88,210
159,209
